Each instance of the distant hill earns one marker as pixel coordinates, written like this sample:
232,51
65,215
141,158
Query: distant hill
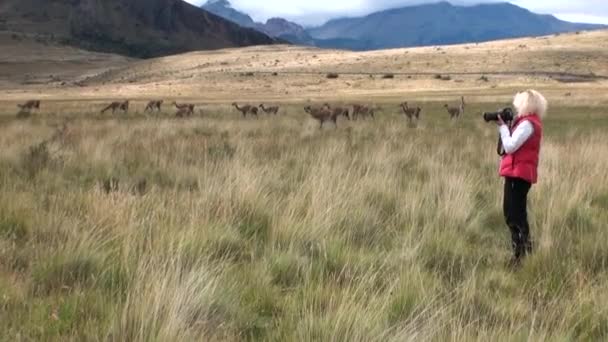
274,27
431,24
438,24
140,28
287,30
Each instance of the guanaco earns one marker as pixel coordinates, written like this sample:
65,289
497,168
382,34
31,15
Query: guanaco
186,109
114,106
337,111
270,110
411,113
246,109
363,111
322,114
154,105
456,112
29,105
183,112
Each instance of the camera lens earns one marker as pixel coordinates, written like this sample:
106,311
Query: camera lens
490,117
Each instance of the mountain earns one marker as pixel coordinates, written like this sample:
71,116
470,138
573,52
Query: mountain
223,8
438,24
140,28
274,27
287,30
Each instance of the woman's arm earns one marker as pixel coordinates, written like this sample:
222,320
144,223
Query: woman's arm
512,142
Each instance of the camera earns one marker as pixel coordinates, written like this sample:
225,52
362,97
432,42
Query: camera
506,114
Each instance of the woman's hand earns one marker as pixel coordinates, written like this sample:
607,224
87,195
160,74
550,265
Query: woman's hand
500,121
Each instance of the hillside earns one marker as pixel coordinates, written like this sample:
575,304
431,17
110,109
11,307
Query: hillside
557,64
31,62
438,24
551,61
141,28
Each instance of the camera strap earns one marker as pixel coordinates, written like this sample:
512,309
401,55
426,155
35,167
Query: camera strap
499,148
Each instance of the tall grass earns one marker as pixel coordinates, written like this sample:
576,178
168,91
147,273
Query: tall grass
270,229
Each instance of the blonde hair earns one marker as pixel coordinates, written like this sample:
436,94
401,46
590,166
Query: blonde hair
530,102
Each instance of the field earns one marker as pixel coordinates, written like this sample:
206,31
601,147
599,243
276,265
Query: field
146,227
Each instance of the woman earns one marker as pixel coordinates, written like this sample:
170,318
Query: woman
519,166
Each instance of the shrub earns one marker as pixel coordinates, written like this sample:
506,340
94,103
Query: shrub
332,75
286,270
591,323
330,261
253,223
35,159
23,114
404,305
258,305
600,201
115,280
384,204
448,257
365,231
59,273
221,151
443,77
229,247
478,308
546,276
13,229
388,76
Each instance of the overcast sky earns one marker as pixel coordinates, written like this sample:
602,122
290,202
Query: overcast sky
312,12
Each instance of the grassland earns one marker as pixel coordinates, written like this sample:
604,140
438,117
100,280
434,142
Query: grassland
151,228
228,229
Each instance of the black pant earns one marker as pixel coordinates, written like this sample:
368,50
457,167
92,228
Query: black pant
516,215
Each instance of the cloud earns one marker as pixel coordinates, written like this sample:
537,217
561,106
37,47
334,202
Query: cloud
314,12
583,18
589,11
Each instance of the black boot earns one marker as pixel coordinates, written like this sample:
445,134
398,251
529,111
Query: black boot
514,263
519,249
528,246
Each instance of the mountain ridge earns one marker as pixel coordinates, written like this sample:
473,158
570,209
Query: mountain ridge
137,28
439,24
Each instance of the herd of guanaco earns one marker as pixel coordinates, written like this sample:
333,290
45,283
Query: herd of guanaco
323,114
183,110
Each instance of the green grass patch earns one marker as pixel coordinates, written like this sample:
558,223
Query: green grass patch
13,229
65,273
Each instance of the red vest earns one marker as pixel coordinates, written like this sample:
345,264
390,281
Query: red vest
523,163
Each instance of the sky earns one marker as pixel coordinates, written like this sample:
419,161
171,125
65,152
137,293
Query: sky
316,12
